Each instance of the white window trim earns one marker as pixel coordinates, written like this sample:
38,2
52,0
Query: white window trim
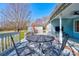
74,26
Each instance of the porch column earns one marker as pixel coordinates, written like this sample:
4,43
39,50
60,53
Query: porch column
60,33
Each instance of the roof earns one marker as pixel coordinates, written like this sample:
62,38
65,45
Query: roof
41,22
59,8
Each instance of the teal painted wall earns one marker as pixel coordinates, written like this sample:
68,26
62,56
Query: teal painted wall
68,27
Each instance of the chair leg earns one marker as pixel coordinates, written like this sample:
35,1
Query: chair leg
14,45
63,43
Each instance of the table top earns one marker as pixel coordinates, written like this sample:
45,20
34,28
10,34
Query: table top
40,38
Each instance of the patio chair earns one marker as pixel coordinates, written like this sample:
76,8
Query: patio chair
14,46
21,49
66,37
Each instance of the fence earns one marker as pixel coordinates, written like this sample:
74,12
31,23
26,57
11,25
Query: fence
5,40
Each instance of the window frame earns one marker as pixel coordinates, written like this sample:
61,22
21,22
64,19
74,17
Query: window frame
74,26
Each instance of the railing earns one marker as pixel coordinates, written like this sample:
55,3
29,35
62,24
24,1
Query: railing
6,42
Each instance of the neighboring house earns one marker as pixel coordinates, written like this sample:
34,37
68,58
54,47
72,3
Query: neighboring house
39,29
39,25
30,29
66,16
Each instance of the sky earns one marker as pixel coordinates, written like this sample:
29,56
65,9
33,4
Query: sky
38,10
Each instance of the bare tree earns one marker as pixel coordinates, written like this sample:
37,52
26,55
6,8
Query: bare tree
16,15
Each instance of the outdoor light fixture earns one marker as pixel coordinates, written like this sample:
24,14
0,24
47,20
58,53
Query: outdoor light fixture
76,13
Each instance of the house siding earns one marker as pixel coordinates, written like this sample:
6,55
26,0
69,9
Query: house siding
68,27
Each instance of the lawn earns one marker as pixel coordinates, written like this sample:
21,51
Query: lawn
22,34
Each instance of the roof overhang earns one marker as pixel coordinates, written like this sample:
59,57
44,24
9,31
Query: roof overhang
66,11
59,8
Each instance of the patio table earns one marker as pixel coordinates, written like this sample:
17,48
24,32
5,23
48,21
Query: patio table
40,43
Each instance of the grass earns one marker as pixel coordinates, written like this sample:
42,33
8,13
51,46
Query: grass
22,34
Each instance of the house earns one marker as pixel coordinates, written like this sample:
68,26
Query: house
65,18
65,26
39,25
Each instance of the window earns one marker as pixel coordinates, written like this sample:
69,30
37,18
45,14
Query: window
57,28
77,26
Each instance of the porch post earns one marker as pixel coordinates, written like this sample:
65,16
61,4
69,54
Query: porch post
60,33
